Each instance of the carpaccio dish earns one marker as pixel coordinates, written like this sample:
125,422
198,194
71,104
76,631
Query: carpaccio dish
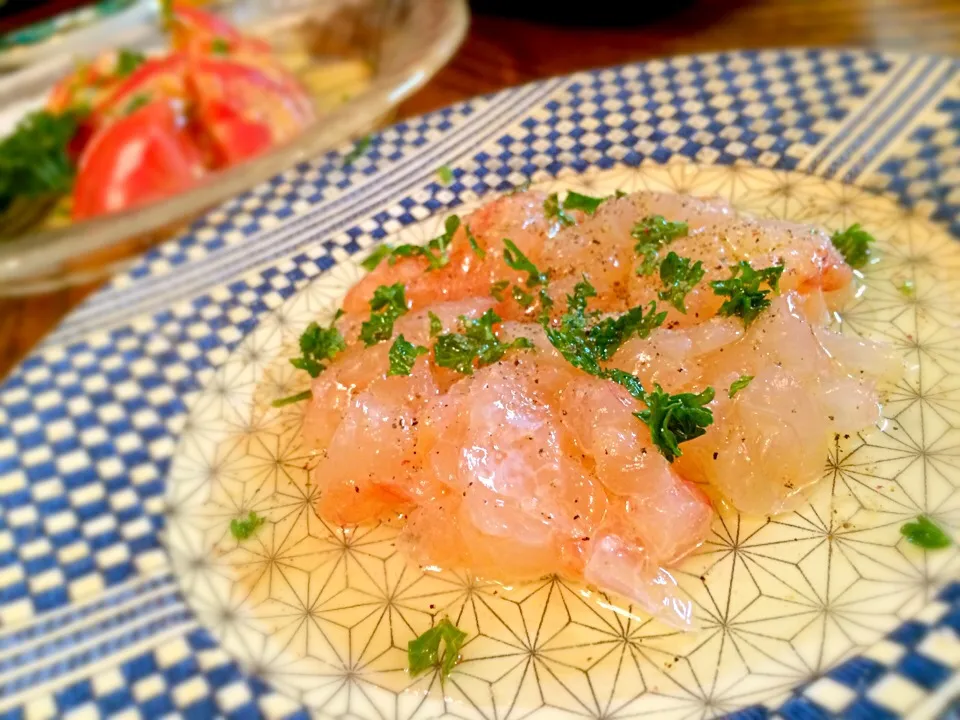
570,386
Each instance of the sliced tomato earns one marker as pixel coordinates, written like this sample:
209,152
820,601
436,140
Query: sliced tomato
144,156
86,85
196,31
156,79
242,109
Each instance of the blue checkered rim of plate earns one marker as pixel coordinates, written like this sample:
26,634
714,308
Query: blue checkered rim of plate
91,620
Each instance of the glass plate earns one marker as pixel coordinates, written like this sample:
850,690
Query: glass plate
402,42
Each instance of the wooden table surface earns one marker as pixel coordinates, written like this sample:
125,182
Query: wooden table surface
500,52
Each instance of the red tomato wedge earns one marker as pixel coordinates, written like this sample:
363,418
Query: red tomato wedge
144,156
244,110
156,79
196,31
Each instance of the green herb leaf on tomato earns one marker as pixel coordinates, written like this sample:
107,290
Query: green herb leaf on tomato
128,61
220,46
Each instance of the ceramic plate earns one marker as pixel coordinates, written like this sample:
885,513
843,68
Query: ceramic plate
132,437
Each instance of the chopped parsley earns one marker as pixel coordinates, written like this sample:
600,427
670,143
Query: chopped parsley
513,256
584,347
523,298
34,161
585,203
570,338
477,343
388,303
925,533
907,288
609,334
745,299
318,346
497,289
403,356
128,61
674,419
630,382
244,528
220,46
359,148
739,384
652,233
679,277
445,174
854,244
292,399
436,326
477,250
554,210
423,653
372,260
435,252
136,102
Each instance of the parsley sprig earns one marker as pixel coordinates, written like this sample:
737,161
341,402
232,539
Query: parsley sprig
674,419
679,276
653,233
554,209
745,299
854,244
436,252
318,346
423,652
389,302
476,344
